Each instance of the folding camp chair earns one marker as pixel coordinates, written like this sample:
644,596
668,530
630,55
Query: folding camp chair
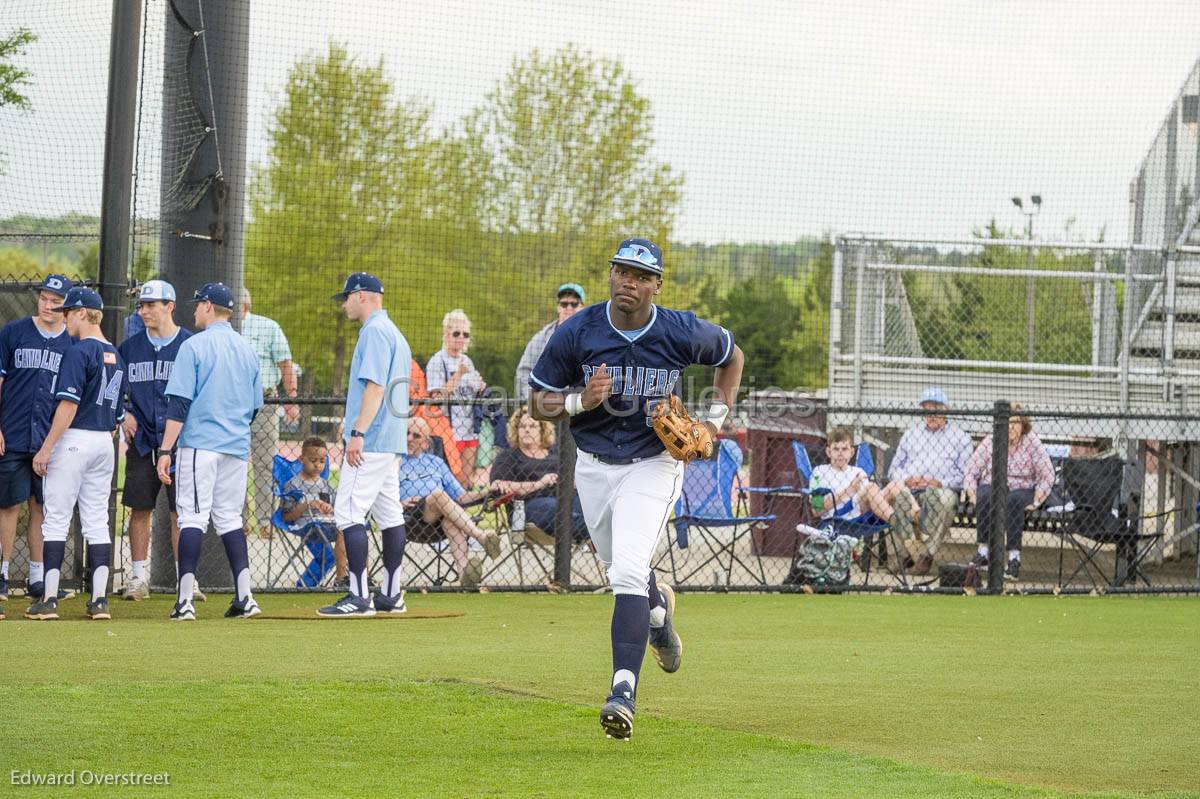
309,539
706,506
1093,486
869,528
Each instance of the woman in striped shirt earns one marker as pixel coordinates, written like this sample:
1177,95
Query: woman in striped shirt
1030,478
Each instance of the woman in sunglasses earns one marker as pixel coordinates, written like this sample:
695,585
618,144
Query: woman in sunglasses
451,374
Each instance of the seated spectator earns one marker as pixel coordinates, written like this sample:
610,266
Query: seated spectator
439,424
1030,478
850,491
306,506
926,477
433,504
450,374
529,469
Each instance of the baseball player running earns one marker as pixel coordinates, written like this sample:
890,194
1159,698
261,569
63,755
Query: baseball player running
212,397
77,458
627,355
31,351
149,357
375,433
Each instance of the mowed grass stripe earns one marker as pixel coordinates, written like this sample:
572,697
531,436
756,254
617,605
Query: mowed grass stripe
1076,694
395,738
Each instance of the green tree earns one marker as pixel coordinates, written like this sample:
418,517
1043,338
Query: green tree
347,177
13,78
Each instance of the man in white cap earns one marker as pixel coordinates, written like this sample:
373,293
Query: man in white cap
150,357
927,477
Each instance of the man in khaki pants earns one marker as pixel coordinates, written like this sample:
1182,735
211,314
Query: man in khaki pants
926,478
276,368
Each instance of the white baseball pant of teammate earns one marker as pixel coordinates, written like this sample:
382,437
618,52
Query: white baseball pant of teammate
81,470
626,507
374,488
210,485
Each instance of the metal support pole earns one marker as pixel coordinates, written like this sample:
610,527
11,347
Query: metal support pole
565,499
860,273
835,309
1128,307
998,517
116,192
1097,316
1168,310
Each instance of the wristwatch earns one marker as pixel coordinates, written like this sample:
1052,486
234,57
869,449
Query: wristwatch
357,434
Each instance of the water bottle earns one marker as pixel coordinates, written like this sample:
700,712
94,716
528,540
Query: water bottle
818,500
517,533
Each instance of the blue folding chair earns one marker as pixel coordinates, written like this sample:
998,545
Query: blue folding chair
869,528
311,539
706,506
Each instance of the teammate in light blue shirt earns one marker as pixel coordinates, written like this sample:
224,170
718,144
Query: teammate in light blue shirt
376,424
381,356
216,373
213,394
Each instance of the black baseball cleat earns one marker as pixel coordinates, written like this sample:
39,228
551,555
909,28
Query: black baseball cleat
183,611
1013,570
390,604
616,717
35,590
3,589
242,610
664,641
43,611
980,560
348,607
98,609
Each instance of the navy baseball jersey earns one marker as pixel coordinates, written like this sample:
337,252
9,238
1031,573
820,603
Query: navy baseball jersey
93,377
645,366
29,363
149,368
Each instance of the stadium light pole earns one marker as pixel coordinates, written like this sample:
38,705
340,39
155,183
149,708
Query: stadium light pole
1035,203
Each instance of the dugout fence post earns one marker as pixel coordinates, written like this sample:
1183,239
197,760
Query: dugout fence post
565,499
117,193
998,504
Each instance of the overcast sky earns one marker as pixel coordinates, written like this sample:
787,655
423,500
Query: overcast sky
787,119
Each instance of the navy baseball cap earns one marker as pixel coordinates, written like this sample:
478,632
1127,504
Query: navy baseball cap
216,293
359,281
639,253
80,297
58,284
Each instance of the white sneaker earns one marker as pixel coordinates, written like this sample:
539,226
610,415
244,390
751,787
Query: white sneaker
137,589
197,594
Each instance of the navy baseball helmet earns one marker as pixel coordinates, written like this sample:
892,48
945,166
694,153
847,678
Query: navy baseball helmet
58,284
216,293
359,281
81,297
641,254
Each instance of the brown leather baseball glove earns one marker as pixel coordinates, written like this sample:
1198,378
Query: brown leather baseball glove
684,437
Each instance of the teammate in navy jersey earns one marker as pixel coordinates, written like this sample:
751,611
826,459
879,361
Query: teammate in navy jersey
605,369
77,458
31,350
150,356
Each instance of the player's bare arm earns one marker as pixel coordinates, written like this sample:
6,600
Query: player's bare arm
550,406
170,436
372,399
64,414
726,380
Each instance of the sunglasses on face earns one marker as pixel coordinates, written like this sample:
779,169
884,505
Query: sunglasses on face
637,252
460,334
568,303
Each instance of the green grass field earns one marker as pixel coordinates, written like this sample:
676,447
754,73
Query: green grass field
498,696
